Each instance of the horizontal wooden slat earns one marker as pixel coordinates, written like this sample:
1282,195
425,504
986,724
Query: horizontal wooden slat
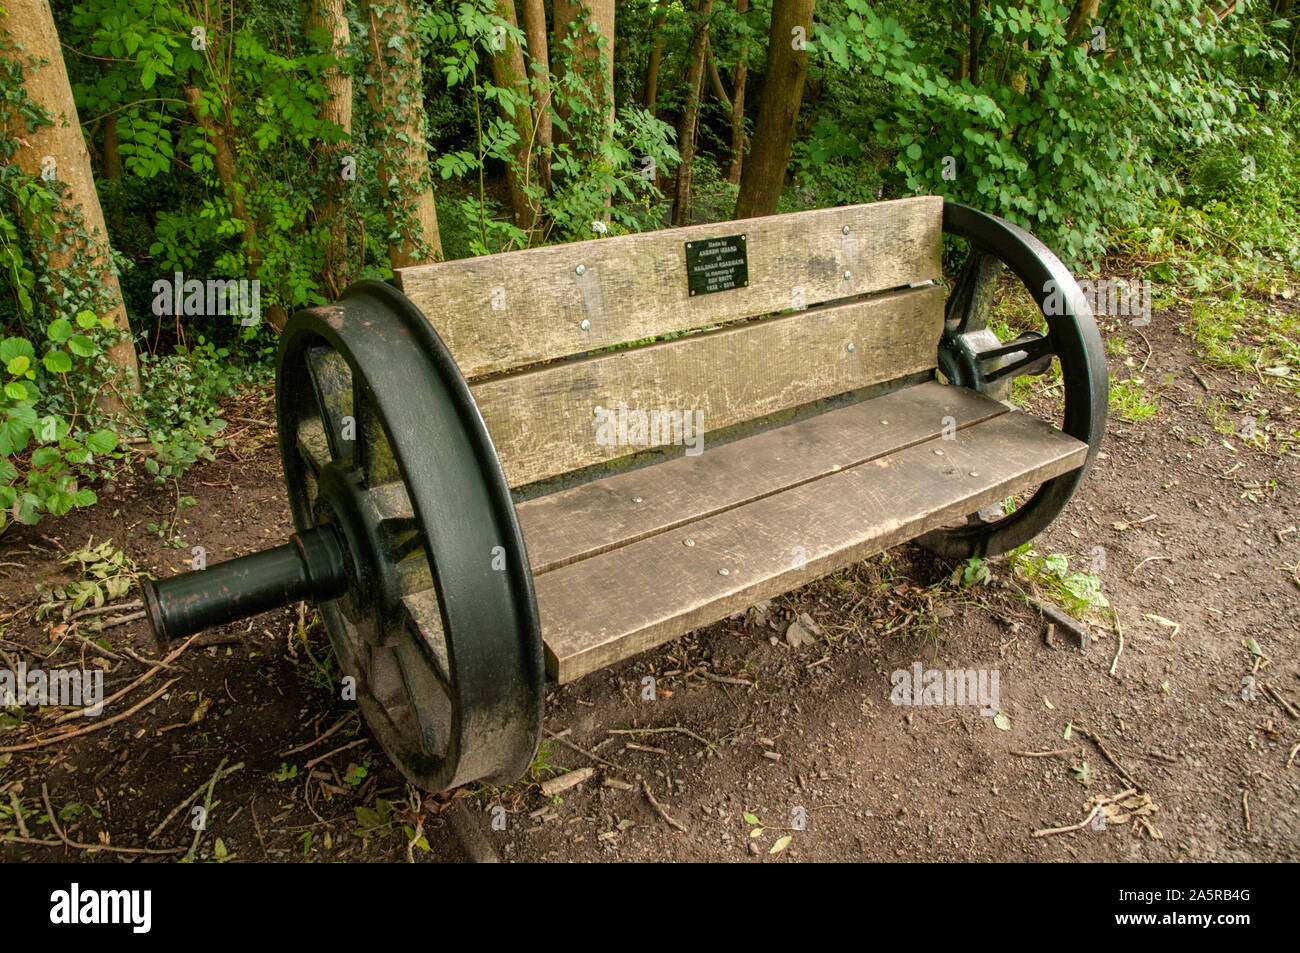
508,310
600,610
582,521
543,422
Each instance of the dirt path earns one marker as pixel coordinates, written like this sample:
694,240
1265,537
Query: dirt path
1198,531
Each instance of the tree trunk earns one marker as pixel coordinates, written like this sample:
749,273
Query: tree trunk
589,52
651,97
328,20
787,66
204,108
739,141
976,37
539,64
691,114
32,24
508,73
396,94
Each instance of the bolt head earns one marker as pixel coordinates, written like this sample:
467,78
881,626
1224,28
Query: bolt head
597,411
688,542
724,572
850,345
581,269
586,325
636,499
845,229
848,275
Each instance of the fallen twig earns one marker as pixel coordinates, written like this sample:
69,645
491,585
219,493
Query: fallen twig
185,803
54,825
659,808
657,731
143,678
1286,705
89,728
565,781
315,741
1092,736
1043,754
329,754
582,751
1100,806
207,810
725,679
1119,631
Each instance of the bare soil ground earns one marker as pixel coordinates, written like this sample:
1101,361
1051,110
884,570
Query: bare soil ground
1202,556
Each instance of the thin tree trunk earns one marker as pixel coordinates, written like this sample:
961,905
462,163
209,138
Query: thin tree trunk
593,57
539,64
739,141
396,94
508,73
328,20
686,131
651,98
787,67
32,24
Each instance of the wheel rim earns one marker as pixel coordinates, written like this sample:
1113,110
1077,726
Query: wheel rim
970,355
381,439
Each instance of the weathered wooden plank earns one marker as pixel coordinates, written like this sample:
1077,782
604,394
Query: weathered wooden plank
607,608
508,310
582,521
544,422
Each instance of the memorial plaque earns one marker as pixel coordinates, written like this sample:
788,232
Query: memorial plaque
716,264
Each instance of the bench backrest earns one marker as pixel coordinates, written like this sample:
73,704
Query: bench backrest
762,324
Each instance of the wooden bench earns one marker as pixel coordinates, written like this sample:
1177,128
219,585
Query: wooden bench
816,398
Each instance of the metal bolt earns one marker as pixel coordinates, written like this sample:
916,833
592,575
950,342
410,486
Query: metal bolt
845,229
581,269
598,411
938,453
688,542
636,499
974,474
850,345
848,275
724,572
586,325
884,423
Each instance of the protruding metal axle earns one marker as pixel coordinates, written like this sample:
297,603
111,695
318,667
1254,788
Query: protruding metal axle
311,566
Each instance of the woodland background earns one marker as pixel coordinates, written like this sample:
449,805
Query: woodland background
312,143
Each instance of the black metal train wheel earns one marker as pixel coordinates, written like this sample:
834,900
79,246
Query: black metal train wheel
383,444
972,355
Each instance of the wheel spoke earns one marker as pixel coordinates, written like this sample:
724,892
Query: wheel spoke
421,651
971,298
374,454
331,384
313,444
1029,355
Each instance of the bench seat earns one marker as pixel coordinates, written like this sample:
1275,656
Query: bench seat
630,561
